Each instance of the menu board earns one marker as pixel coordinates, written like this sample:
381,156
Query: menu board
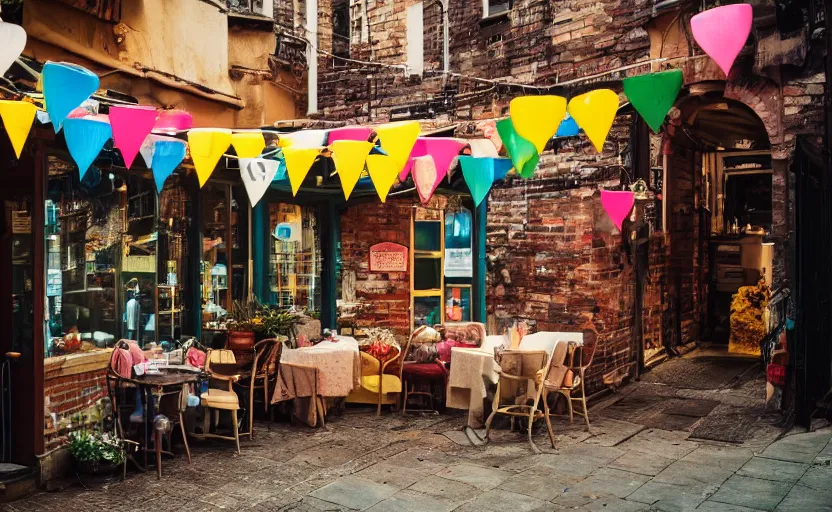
388,257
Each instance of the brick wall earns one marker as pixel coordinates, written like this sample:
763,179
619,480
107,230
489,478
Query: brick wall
72,386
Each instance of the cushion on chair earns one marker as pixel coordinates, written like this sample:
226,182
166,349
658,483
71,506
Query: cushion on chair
390,384
219,399
424,371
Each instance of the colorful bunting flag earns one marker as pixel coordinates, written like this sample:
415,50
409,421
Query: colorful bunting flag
595,112
303,139
207,147
167,155
568,127
248,144
360,133
173,121
536,118
397,140
65,86
479,176
617,204
257,175
12,42
653,95
349,157
523,154
131,124
18,117
85,138
722,32
298,162
444,151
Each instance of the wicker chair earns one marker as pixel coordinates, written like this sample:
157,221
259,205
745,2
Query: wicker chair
262,375
569,381
220,365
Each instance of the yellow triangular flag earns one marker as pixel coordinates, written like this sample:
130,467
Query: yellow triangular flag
397,140
383,171
207,146
248,144
595,112
18,117
298,162
536,118
349,157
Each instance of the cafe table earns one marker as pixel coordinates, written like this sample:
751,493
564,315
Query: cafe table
338,363
474,370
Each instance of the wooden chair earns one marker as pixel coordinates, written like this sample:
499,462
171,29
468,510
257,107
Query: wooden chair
220,365
570,381
518,370
261,375
381,381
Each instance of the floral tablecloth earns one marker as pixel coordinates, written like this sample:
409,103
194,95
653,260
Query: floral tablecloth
338,364
472,370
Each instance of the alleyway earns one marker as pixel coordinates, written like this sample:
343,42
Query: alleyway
639,455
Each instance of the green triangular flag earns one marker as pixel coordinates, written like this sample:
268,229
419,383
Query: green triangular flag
653,94
522,152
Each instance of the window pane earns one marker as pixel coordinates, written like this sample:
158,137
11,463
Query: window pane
295,264
458,304
498,6
426,274
427,310
458,252
427,236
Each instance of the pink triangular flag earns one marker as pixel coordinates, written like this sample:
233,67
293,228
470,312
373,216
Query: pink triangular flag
443,150
426,177
349,133
617,204
131,125
722,32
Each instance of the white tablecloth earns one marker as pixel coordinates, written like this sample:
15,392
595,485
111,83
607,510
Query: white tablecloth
338,363
474,370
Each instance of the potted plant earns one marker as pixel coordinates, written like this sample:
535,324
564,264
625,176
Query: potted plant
241,329
96,453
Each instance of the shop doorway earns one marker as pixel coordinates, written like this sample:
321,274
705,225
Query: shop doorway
719,217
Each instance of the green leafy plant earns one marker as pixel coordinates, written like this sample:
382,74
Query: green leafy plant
266,320
87,446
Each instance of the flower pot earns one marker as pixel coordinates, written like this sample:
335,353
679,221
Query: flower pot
97,467
241,340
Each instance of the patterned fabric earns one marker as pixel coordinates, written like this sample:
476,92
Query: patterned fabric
464,333
338,364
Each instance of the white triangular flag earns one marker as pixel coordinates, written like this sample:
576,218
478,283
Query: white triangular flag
257,175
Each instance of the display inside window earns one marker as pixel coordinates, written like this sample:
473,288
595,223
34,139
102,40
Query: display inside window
295,259
459,265
426,279
104,241
747,201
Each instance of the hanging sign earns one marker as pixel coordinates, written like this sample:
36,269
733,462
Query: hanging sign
722,32
388,257
257,175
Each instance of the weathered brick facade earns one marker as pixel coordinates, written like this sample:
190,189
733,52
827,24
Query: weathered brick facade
554,257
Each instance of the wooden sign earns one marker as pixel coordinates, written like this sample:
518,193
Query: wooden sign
388,257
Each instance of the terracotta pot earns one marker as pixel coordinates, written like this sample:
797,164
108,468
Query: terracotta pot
240,340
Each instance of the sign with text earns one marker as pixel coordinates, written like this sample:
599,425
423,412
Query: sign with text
388,257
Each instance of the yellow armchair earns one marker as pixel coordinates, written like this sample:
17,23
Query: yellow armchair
381,381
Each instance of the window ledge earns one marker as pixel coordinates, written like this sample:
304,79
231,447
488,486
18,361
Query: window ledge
495,19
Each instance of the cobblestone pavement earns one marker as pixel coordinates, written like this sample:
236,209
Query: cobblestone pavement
361,462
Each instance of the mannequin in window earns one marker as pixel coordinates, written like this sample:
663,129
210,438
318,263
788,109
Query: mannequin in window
133,311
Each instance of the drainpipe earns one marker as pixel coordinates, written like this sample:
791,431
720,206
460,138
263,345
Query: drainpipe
312,54
478,290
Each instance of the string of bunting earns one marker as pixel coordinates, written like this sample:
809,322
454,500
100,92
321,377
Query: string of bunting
386,153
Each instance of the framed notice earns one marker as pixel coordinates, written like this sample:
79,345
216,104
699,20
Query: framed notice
388,257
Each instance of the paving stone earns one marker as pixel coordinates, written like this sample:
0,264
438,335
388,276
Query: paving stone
568,468
419,461
610,504
803,447
389,474
324,456
715,506
648,464
807,499
610,482
410,501
772,469
480,477
537,486
604,454
670,497
817,477
354,492
442,487
724,457
752,492
670,444
502,501
611,432
688,473
310,504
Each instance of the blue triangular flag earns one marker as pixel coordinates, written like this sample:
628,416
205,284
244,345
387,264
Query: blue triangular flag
568,127
479,176
65,87
167,155
501,167
84,139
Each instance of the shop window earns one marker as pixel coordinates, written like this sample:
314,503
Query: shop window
104,242
295,260
459,267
